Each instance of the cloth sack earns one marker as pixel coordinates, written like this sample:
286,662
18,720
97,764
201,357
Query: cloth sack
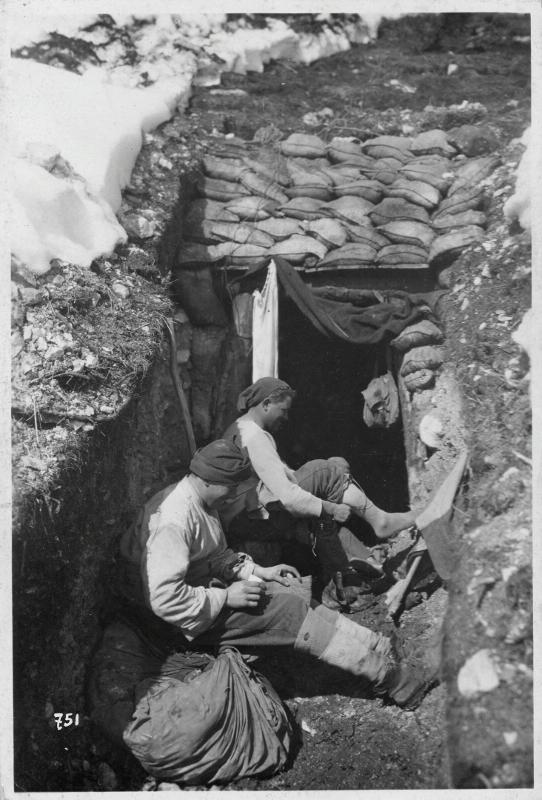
221,724
381,408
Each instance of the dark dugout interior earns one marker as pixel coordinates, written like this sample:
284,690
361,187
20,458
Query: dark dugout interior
326,419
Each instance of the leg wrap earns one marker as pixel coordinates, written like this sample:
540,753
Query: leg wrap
346,645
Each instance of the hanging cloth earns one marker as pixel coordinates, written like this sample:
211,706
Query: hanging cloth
392,311
265,328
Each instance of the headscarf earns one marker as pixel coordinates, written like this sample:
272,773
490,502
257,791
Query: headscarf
221,462
259,391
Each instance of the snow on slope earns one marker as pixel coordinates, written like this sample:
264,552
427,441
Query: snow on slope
95,126
92,123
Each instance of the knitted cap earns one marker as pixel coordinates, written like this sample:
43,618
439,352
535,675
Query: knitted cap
221,462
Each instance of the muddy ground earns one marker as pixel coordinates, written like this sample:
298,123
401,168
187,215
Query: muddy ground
348,741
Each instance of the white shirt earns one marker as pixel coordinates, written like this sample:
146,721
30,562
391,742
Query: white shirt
179,545
273,480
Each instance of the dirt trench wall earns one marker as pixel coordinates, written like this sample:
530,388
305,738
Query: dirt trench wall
64,545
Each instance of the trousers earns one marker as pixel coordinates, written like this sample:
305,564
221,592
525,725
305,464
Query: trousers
329,479
288,618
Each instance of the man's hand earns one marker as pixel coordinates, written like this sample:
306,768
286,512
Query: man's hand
244,594
337,511
277,573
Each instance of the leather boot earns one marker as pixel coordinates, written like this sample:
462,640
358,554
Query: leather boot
328,548
406,685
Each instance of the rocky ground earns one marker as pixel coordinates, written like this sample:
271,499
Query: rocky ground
83,339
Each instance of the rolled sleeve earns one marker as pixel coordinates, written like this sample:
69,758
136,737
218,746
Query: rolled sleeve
278,481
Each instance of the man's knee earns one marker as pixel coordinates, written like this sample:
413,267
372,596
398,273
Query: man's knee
285,608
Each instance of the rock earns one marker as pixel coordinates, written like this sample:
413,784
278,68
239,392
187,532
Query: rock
30,296
138,226
315,118
120,289
431,431
478,674
473,140
445,277
167,787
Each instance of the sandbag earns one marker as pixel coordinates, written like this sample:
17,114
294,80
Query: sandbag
348,208
361,187
381,407
402,254
279,228
396,208
297,248
302,208
448,222
224,169
262,185
446,247
194,290
328,231
424,357
365,234
419,380
389,146
472,172
222,724
252,208
221,190
350,255
348,151
303,144
461,200
408,231
270,164
418,192
438,175
417,335
433,142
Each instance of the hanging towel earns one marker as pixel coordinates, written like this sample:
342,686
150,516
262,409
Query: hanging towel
265,328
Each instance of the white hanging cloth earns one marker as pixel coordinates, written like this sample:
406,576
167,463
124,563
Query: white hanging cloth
265,328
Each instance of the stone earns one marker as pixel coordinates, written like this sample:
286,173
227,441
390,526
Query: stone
138,226
478,674
473,140
121,290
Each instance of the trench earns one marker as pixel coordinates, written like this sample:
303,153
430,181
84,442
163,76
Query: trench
355,742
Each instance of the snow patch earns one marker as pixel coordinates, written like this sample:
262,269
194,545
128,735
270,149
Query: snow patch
518,207
56,216
93,122
97,129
